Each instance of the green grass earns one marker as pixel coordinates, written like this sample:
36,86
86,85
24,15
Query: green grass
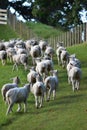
7,33
67,112
43,30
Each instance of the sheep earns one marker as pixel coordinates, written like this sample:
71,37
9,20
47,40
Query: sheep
64,57
17,95
31,76
74,76
3,56
35,52
2,46
6,87
49,51
58,52
38,89
49,64
41,68
20,59
9,44
19,44
73,61
43,44
51,84
29,43
10,52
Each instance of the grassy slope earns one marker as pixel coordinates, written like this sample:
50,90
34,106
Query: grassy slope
7,33
67,112
43,30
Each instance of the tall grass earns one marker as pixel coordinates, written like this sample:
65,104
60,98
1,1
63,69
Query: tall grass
67,112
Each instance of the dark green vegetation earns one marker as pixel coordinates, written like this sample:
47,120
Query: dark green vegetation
64,13
67,112
7,33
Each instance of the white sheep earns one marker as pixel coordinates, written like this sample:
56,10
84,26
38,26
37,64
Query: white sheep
51,84
17,95
58,52
41,68
20,59
73,61
35,52
74,77
29,43
43,44
7,86
10,52
31,76
49,64
49,51
38,89
2,46
64,57
3,56
19,44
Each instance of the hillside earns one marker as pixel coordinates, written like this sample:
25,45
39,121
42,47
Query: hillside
43,30
67,112
7,33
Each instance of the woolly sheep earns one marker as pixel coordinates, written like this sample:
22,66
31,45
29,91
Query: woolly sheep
58,52
38,89
43,44
51,84
73,61
20,59
74,77
64,56
17,95
10,52
49,64
31,76
6,87
41,68
29,43
35,52
49,51
2,46
3,56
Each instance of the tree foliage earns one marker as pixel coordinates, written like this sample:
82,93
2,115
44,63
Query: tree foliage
63,13
3,4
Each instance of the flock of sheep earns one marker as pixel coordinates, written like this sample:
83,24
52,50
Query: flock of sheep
42,77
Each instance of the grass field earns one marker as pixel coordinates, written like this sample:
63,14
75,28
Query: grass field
67,112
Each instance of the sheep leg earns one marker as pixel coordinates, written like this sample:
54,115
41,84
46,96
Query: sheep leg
36,101
73,85
41,101
49,93
25,106
69,81
19,107
3,62
54,94
15,66
77,85
9,108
